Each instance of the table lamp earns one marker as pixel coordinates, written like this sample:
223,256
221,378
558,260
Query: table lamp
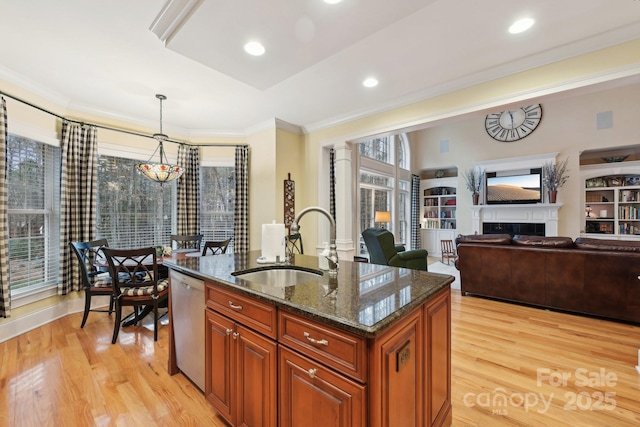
382,217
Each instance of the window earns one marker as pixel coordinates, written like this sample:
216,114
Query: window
217,203
33,180
132,211
385,185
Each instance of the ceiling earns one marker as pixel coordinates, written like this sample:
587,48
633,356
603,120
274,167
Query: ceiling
111,57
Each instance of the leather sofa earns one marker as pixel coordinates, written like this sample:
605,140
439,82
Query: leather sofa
595,277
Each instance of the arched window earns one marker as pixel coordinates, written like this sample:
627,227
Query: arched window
384,185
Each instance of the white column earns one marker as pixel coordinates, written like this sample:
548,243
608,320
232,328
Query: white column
344,201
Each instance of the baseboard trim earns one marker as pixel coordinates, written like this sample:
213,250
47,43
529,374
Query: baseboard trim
11,328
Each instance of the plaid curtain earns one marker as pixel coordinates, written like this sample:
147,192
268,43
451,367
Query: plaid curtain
189,191
78,190
5,296
241,216
415,212
332,182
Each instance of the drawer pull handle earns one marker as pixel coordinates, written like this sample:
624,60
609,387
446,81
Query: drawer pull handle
235,307
236,335
315,341
312,372
228,331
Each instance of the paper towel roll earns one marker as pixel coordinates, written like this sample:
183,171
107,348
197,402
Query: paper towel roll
273,244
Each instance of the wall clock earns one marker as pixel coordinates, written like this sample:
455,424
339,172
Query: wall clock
513,125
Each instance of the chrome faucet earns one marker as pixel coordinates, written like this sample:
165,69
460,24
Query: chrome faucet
333,254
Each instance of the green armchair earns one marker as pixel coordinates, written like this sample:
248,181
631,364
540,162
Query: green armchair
382,250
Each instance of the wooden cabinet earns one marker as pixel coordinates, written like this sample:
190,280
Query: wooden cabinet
397,375
272,367
240,364
313,395
400,378
437,354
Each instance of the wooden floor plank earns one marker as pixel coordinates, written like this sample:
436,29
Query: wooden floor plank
505,360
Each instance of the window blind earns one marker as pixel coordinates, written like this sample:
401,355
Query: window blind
132,211
33,180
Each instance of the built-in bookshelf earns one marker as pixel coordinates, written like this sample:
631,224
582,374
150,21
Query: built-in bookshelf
438,216
439,207
612,205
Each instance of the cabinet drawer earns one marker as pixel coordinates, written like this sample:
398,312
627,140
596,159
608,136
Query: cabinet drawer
256,315
338,349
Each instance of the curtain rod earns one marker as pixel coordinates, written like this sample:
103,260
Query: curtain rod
112,128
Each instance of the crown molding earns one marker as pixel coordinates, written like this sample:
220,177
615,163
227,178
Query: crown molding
172,17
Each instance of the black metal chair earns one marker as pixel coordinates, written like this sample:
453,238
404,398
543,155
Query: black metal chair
215,248
186,241
94,281
137,283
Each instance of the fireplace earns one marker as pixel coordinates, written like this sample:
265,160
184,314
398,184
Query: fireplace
513,228
540,219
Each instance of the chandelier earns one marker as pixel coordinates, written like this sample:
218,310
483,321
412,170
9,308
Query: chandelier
163,171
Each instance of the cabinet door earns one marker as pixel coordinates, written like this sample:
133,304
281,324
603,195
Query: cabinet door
256,359
219,364
428,239
397,379
437,319
312,395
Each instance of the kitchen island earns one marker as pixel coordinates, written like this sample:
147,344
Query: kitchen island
370,346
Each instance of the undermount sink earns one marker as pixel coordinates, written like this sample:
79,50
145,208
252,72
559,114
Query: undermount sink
279,277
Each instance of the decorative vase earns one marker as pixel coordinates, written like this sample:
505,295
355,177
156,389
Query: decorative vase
476,198
552,196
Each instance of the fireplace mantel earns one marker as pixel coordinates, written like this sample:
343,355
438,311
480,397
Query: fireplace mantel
546,213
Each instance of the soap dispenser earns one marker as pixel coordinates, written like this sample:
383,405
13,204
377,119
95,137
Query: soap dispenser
323,262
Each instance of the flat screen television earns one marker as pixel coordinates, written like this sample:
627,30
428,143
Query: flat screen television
521,187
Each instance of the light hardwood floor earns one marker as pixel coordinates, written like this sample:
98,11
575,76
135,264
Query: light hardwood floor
511,365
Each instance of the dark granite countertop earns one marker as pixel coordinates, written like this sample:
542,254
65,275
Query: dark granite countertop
363,299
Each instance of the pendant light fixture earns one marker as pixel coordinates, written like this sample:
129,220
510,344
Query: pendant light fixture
163,171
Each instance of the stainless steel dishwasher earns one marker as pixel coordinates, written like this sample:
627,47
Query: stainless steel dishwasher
187,303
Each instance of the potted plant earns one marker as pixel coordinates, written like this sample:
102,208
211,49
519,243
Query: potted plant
554,177
474,178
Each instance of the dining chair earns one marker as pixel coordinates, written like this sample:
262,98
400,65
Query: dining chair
294,243
215,248
136,284
447,251
95,282
186,241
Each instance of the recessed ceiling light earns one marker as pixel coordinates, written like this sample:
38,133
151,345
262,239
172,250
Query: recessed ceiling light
370,82
254,48
521,25
332,1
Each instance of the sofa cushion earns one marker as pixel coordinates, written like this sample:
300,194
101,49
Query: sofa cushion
495,239
543,241
607,245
